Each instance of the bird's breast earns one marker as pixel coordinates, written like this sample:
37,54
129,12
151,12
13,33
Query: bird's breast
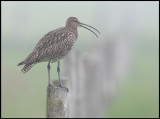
63,47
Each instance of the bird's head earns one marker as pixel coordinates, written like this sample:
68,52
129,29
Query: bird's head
73,22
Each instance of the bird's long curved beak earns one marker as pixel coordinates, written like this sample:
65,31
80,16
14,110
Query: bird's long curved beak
81,25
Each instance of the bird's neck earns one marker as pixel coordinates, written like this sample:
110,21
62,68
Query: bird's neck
71,29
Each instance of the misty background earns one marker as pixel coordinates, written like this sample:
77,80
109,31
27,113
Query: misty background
130,30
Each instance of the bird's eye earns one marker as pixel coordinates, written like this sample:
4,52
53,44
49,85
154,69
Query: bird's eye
75,20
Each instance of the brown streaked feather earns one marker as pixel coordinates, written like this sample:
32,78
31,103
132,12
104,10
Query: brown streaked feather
52,47
27,67
48,47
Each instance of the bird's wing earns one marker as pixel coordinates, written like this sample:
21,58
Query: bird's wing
46,39
48,45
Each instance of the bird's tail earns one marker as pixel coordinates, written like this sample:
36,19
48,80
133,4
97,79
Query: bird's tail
20,63
27,67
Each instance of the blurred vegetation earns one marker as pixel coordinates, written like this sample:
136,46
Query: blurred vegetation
138,95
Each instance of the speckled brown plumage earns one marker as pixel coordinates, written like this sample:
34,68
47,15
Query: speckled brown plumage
54,45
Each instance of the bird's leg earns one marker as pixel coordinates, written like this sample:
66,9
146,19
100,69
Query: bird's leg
58,70
60,83
48,67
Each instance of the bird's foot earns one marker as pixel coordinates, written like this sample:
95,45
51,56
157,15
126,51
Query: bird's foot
60,85
49,84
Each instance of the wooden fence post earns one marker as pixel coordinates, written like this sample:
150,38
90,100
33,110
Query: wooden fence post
56,101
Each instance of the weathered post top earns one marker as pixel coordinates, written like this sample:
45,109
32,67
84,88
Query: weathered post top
56,101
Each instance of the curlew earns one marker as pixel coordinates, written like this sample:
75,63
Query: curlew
53,46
